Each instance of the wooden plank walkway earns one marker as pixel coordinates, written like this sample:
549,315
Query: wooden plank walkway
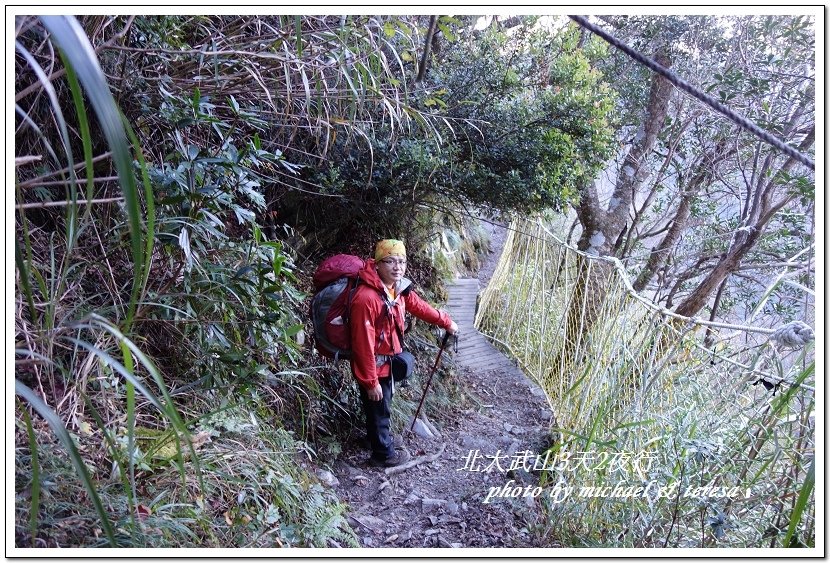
474,350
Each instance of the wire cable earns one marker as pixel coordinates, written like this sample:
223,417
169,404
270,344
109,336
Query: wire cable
694,92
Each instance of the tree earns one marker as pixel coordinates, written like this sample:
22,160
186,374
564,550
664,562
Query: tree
525,122
770,85
704,175
602,226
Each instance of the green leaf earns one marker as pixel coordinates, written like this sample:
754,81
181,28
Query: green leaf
445,29
800,504
69,34
60,431
298,31
292,330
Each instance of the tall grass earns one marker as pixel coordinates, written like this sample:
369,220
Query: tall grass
636,385
56,330
135,464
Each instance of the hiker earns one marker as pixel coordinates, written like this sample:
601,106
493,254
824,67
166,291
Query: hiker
377,319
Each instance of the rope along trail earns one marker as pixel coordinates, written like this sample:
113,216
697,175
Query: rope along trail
625,376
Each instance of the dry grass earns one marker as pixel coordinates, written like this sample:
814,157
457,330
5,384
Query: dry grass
631,382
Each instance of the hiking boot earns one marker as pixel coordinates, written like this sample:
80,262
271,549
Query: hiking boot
400,457
397,442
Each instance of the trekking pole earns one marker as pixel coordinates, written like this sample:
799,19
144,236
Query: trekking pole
429,380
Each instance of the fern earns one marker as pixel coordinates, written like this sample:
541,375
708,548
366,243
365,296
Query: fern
324,520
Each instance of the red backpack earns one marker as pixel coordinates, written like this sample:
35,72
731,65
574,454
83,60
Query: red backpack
335,283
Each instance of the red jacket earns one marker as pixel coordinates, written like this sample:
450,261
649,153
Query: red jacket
373,317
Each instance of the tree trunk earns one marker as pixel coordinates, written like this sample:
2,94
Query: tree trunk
728,264
708,340
601,228
705,170
433,21
660,253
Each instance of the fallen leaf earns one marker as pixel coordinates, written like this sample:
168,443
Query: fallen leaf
200,439
85,428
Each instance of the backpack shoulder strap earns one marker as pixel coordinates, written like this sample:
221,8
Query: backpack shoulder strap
351,287
389,305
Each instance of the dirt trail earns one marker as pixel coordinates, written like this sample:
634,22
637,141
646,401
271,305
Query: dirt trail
441,503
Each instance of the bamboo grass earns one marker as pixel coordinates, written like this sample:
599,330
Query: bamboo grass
640,381
77,340
77,50
75,457
34,506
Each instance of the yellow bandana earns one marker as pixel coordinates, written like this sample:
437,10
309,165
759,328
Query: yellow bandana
389,247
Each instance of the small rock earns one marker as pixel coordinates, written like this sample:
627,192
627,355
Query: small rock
386,497
467,441
451,507
463,506
342,468
449,520
512,448
391,538
433,430
457,545
360,480
327,478
526,477
371,522
368,541
508,426
422,430
431,504
411,498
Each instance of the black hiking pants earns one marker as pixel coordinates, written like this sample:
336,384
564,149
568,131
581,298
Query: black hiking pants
377,420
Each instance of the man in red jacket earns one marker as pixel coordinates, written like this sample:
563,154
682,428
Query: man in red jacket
377,313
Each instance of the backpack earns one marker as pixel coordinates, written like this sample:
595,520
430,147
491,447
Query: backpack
335,283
